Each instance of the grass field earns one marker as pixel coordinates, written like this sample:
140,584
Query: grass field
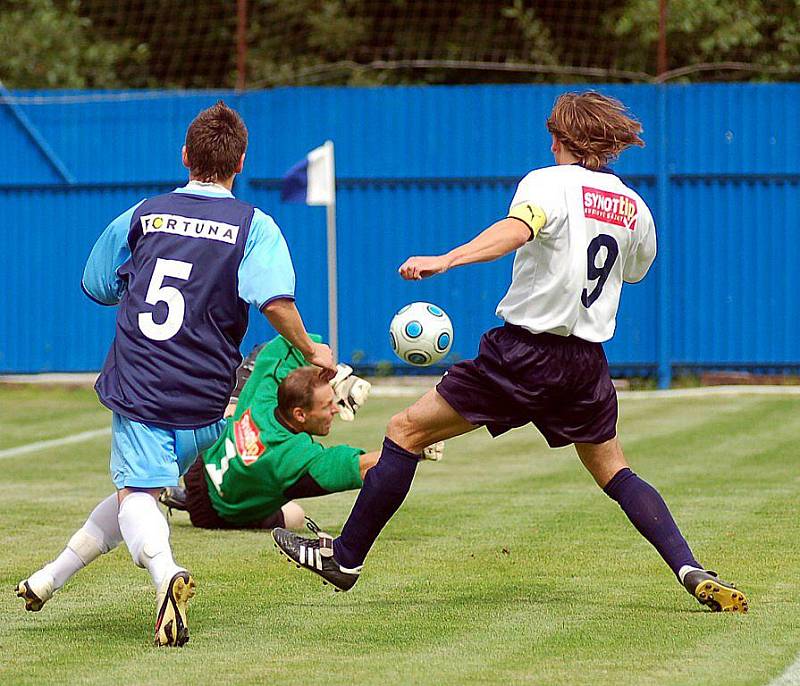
506,565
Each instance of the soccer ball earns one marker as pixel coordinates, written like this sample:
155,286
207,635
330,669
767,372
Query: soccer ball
421,334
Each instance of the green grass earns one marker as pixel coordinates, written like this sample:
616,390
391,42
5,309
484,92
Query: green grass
506,564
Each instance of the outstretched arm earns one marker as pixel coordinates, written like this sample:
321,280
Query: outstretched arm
286,320
499,239
266,280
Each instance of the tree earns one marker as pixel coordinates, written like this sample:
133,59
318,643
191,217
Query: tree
764,34
52,46
175,44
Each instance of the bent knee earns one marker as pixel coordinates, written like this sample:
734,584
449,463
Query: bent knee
400,428
406,433
423,424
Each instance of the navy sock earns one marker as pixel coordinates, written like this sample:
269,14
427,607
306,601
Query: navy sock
385,487
650,515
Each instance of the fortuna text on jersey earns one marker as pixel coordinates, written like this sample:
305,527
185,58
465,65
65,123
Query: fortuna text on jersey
189,226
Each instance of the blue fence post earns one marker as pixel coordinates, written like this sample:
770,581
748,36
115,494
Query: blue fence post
664,291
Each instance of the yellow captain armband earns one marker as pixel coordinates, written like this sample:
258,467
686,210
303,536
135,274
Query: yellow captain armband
533,216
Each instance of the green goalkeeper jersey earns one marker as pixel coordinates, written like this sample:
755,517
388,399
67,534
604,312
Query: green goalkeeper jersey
256,459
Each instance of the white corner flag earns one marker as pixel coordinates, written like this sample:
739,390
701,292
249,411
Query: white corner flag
313,181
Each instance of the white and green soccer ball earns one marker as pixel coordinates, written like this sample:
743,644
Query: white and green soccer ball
421,334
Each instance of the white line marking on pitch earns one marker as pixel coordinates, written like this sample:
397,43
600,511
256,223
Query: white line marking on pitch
791,677
711,392
391,391
54,443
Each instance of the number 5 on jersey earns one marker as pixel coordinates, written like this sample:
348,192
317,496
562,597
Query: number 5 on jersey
157,292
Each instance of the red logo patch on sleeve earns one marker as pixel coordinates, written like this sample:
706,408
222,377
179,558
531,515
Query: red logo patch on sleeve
608,207
248,439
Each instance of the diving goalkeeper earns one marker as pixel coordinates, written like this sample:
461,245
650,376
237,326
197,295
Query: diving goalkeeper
266,457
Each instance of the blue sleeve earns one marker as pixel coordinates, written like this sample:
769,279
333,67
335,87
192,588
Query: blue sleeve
100,280
266,272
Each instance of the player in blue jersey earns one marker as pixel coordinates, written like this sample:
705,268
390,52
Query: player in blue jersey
183,268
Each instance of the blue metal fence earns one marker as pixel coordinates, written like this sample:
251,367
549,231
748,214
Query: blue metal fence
419,169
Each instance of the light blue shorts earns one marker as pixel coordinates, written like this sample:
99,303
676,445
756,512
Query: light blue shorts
146,456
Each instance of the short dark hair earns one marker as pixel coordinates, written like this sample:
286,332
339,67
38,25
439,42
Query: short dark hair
215,142
297,389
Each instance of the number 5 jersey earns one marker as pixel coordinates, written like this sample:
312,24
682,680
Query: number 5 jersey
183,267
589,233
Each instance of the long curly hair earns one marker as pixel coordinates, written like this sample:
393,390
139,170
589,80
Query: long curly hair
595,128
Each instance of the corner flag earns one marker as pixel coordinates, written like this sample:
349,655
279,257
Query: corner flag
312,179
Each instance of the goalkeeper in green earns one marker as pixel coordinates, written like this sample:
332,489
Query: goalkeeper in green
266,457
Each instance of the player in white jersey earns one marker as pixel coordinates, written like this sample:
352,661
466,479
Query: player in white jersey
579,232
596,234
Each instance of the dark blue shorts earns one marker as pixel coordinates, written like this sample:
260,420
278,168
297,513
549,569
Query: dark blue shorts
560,384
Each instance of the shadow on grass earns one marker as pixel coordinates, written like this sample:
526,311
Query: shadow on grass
123,628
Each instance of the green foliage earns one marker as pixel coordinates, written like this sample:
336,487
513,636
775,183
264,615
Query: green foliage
312,33
347,41
171,43
186,45
763,34
542,49
48,45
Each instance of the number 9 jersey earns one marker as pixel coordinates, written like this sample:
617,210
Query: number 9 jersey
590,232
184,267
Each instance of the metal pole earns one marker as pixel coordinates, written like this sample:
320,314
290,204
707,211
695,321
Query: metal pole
664,284
241,44
333,307
662,37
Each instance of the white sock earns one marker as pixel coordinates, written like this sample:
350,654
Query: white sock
146,533
103,524
683,571
99,534
62,568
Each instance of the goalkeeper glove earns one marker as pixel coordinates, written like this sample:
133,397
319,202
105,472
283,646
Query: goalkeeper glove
350,391
434,452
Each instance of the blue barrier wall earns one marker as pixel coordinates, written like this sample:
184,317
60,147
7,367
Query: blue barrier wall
419,169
